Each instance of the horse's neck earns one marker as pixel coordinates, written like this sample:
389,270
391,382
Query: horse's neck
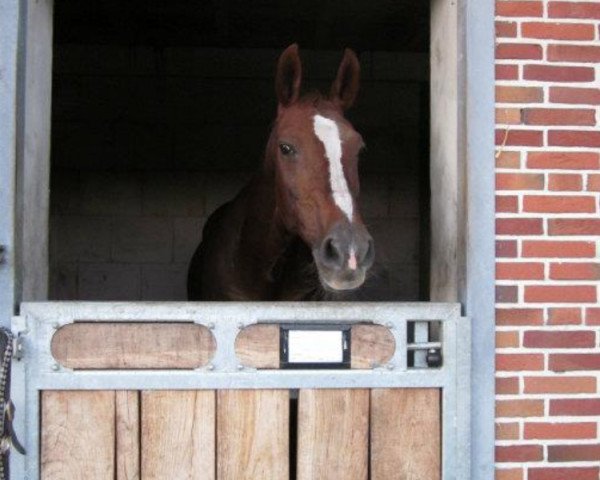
263,237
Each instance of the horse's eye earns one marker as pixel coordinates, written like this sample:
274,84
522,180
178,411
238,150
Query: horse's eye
286,149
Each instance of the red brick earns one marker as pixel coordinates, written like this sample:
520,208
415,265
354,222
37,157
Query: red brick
559,339
565,182
519,408
519,316
507,339
563,160
575,407
552,73
519,226
508,116
517,362
519,94
507,204
507,431
559,204
593,183
507,72
560,294
564,316
558,31
506,248
530,138
519,181
574,453
506,29
560,384
507,385
575,271
519,271
506,294
559,116
583,96
519,453
550,248
586,10
518,51
592,316
574,53
574,138
508,159
574,226
570,473
547,431
519,9
509,474
569,362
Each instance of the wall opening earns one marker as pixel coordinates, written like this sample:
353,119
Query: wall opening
161,111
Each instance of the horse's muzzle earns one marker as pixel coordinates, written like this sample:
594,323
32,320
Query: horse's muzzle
344,256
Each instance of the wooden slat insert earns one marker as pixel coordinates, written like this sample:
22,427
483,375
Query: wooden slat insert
252,433
116,345
371,345
178,434
78,435
405,434
258,346
128,435
333,432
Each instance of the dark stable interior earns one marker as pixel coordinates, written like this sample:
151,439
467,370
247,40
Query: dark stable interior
161,111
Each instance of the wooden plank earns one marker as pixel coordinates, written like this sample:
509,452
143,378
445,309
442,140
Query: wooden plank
78,435
333,434
178,435
257,346
128,435
116,345
253,434
371,345
405,434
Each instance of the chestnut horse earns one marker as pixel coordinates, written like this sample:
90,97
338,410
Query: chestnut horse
295,231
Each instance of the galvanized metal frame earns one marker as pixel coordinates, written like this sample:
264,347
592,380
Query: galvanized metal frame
37,370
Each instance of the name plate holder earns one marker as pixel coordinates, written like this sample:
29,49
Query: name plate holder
314,346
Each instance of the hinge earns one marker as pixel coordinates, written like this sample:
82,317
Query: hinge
19,329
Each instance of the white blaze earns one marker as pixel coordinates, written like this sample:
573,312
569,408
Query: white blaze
327,131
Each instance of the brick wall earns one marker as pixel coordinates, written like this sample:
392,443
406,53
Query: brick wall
146,143
548,184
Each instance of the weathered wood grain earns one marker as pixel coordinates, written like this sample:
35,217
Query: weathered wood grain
253,434
405,434
178,435
116,345
127,461
333,434
257,346
78,435
371,345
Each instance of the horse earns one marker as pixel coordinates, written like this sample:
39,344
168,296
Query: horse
295,231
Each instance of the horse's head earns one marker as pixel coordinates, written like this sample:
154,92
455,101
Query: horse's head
315,152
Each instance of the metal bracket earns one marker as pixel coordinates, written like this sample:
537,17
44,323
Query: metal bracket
19,330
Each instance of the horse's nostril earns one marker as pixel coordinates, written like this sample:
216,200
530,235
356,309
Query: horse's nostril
331,253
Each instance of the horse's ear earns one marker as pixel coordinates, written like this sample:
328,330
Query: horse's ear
289,76
346,83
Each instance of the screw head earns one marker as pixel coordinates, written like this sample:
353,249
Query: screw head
211,326
240,325
389,325
56,367
210,366
390,366
240,367
56,325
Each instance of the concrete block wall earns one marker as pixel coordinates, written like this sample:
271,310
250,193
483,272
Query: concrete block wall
148,142
547,227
